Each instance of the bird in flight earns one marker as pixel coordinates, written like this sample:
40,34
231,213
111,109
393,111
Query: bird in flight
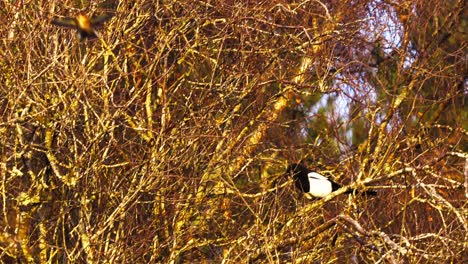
83,24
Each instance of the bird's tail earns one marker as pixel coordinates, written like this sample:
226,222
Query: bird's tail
367,192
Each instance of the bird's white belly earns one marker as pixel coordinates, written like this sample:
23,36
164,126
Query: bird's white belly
320,188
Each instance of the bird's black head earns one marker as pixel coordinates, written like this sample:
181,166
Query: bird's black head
299,174
295,168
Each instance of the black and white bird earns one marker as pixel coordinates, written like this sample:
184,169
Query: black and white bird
314,183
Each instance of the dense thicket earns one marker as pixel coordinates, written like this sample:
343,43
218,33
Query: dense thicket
166,139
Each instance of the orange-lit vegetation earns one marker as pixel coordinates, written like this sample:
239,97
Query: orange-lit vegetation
166,139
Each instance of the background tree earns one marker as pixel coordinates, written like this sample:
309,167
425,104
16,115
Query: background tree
166,140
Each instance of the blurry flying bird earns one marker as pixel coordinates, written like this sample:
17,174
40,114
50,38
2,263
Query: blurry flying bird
83,24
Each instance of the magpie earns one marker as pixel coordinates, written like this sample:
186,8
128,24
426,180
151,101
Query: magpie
314,183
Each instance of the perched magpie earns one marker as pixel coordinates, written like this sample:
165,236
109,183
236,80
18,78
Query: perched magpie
315,184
